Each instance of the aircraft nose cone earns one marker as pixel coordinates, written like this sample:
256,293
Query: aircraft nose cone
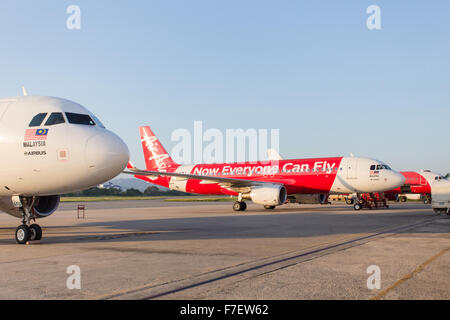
401,179
107,153
397,180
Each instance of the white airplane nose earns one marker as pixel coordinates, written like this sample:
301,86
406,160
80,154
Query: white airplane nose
397,179
106,152
401,179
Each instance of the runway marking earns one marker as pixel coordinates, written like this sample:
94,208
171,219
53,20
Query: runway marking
410,275
114,236
152,291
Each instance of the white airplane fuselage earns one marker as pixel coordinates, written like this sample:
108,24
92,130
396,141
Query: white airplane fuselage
46,153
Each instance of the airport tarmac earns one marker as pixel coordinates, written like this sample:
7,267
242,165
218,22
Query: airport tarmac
159,250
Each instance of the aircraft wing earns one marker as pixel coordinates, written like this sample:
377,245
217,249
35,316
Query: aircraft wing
230,183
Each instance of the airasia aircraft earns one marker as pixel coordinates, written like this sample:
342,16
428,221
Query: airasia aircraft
269,184
51,146
416,182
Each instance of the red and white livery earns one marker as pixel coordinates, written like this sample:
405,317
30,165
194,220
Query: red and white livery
266,183
416,183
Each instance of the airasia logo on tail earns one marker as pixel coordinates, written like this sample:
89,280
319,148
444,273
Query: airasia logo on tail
156,155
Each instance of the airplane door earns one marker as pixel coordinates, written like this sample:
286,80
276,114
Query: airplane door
352,168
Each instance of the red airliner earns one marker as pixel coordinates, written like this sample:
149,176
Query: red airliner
266,183
416,183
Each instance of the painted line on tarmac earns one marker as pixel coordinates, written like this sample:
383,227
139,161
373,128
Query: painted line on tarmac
261,265
410,275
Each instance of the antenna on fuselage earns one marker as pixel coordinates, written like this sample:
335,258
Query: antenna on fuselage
24,92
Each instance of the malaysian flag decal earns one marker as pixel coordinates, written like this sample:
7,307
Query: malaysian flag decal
374,173
36,134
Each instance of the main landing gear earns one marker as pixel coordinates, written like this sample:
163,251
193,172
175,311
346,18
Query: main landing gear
27,231
349,201
239,205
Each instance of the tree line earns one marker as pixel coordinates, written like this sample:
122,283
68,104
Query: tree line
151,191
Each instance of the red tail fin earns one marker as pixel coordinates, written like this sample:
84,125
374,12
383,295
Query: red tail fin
156,157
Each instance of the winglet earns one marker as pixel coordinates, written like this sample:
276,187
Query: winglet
24,92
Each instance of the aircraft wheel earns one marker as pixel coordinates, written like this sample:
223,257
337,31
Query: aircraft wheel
36,232
23,234
357,207
425,201
239,206
269,207
403,199
349,201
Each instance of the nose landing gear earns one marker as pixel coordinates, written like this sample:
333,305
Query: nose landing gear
27,231
370,201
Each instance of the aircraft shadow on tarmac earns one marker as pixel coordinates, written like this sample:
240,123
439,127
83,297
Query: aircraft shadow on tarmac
239,226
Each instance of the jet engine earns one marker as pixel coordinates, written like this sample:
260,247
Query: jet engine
42,207
274,195
309,198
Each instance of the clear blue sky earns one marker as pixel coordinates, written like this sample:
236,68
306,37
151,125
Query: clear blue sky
310,68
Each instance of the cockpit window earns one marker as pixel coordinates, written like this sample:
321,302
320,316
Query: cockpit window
380,167
98,122
55,118
37,120
77,118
